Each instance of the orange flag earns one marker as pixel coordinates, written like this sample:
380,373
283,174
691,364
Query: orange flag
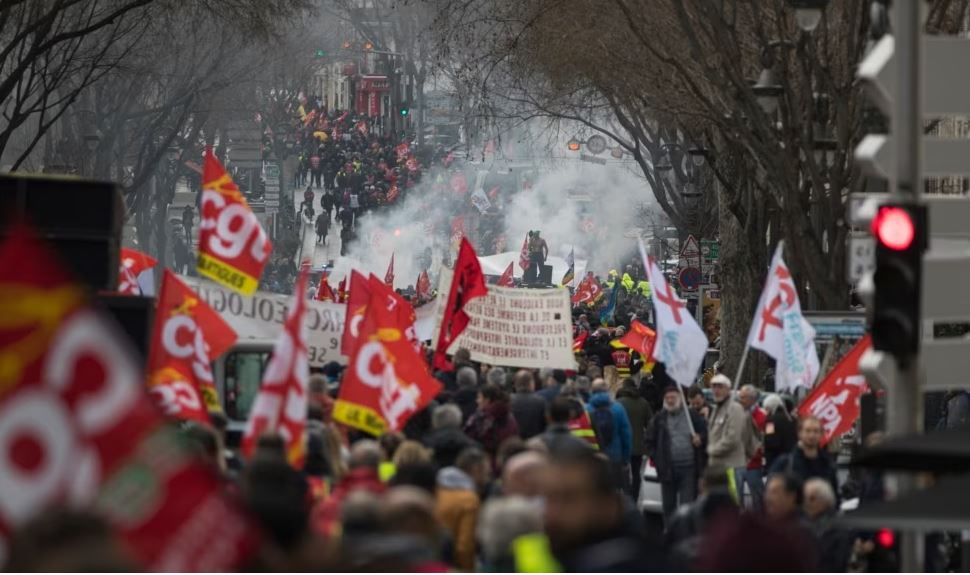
506,279
233,248
641,339
281,403
133,263
187,336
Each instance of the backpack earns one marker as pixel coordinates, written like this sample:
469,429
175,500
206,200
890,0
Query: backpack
602,420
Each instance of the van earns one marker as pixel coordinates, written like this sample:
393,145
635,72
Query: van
238,374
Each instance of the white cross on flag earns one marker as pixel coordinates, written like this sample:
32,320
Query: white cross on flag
780,330
681,343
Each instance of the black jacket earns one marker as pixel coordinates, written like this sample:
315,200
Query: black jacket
797,464
447,443
530,413
781,436
658,443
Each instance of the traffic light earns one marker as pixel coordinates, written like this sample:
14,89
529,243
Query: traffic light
319,53
900,233
573,145
404,110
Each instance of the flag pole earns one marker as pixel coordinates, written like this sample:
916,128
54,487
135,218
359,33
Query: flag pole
744,359
683,399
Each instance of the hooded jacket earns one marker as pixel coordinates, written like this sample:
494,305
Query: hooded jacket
620,447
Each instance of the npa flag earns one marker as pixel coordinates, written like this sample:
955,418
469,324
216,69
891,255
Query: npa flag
567,278
589,291
187,336
281,404
681,344
78,430
233,248
386,381
579,341
524,254
835,401
468,283
423,286
324,291
506,279
780,330
133,265
389,275
640,339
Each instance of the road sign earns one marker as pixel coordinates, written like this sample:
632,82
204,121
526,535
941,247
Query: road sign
690,278
690,252
710,249
592,159
862,256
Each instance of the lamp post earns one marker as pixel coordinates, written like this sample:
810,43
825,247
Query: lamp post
808,13
91,142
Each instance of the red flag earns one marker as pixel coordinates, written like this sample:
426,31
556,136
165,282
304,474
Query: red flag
468,283
357,299
579,341
79,430
641,339
423,285
133,263
835,401
233,248
386,381
506,279
281,403
524,254
389,275
342,291
324,291
589,290
187,336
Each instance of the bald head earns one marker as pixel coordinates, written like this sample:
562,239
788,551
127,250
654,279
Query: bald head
599,384
365,453
524,381
522,474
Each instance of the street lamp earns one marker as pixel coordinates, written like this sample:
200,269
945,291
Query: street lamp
173,153
767,90
808,13
698,155
92,141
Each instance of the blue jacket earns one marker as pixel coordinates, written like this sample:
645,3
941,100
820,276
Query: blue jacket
620,447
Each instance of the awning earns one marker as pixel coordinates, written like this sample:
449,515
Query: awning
942,507
938,451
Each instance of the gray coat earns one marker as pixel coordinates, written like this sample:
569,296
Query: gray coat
726,428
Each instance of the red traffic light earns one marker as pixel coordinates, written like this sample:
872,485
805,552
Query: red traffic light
894,228
885,538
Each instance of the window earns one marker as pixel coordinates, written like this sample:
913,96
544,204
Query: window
244,373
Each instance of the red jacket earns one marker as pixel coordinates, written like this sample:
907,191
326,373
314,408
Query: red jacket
326,515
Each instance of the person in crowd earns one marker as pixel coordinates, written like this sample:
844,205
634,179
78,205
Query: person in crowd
493,422
834,541
781,434
613,432
407,514
322,227
580,425
446,439
390,442
623,358
528,407
749,477
586,520
552,384
522,474
558,437
698,403
538,253
715,504
783,497
365,459
410,452
466,397
640,415
808,459
502,521
327,205
725,427
457,502
676,446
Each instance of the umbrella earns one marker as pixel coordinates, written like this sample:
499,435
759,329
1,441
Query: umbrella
934,451
322,136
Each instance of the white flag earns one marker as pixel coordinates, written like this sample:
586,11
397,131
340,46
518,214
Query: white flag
681,343
780,330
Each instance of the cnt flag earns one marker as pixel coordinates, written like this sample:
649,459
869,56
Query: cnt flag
187,336
79,430
233,248
468,283
780,330
681,344
281,404
567,278
835,401
389,275
506,279
131,280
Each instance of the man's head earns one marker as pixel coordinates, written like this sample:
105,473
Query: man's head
524,382
466,377
447,415
462,357
581,501
600,385
819,497
558,377
522,474
559,411
496,376
490,394
809,432
748,395
672,398
696,397
583,383
783,496
365,453
720,387
474,462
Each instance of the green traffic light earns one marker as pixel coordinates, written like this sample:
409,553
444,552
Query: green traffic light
405,111
320,53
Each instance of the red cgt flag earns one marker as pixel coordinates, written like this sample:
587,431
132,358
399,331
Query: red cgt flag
835,401
524,254
386,381
233,248
641,339
187,335
133,263
506,279
588,292
389,275
364,290
281,404
324,291
423,286
467,284
80,430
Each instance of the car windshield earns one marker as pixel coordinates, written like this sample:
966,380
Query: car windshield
244,372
